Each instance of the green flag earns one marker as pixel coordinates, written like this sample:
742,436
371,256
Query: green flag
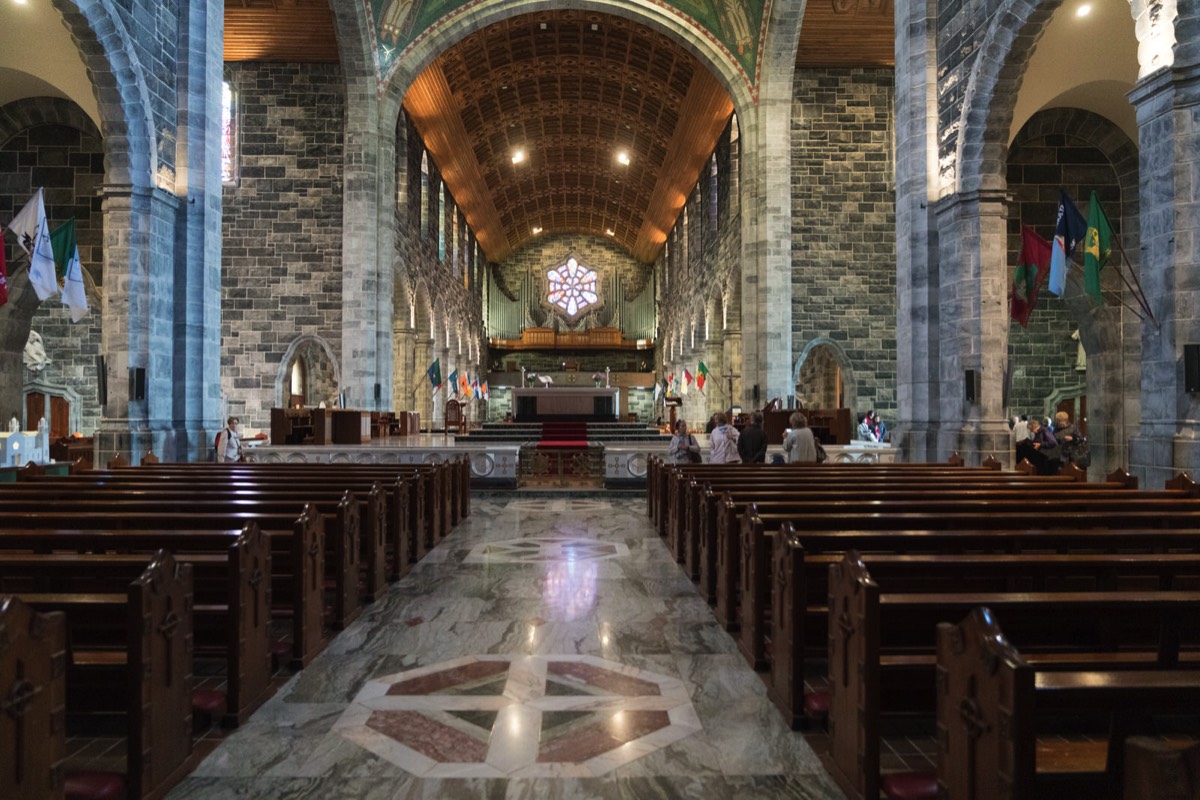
69,268
701,376
1097,248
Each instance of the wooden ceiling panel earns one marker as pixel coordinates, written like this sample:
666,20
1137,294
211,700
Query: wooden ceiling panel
847,33
299,31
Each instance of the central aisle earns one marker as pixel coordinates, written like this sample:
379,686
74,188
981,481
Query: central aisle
547,648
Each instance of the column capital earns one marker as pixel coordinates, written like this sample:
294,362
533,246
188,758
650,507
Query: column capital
982,201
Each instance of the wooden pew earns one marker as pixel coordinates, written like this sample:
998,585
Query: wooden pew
990,699
130,654
232,608
798,628
297,556
342,525
878,637
33,742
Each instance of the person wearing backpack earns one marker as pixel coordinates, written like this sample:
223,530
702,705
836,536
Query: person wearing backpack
228,445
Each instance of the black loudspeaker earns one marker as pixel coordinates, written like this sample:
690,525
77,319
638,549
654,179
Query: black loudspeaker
971,385
378,391
137,383
1191,368
756,395
101,381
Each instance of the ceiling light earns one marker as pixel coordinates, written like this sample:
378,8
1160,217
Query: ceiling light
623,157
1083,10
518,156
536,230
20,2
609,232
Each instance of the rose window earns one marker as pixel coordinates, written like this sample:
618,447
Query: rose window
572,287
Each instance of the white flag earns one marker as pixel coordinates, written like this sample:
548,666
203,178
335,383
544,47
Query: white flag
33,236
66,252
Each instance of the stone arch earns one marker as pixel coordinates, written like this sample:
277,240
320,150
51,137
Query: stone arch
827,350
714,317
437,38
1112,340
304,347
118,80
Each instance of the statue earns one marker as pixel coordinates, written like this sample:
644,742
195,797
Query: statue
14,425
35,353
1080,353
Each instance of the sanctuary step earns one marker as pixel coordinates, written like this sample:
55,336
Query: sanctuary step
611,432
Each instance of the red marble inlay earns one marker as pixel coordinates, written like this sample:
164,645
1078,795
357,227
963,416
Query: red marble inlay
413,622
604,735
615,682
428,737
449,678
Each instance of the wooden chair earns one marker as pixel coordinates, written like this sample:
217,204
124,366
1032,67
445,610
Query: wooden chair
456,420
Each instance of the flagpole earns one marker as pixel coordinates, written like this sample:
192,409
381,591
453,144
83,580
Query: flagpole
1120,299
1139,293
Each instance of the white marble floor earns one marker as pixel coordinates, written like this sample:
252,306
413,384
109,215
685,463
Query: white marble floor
549,647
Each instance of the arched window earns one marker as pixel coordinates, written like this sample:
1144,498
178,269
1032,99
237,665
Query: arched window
454,238
735,200
713,193
229,120
441,226
424,224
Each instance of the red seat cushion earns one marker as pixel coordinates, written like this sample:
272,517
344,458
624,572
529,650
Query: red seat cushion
92,785
816,704
910,786
210,702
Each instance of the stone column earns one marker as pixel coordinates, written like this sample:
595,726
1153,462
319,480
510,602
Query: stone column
732,358
1167,104
973,298
196,374
361,323
138,344
406,375
917,342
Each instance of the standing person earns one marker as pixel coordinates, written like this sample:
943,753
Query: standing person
684,448
752,444
877,427
229,442
799,444
723,441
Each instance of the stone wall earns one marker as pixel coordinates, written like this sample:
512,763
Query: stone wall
68,162
282,255
843,225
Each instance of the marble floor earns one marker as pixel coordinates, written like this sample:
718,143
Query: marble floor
548,648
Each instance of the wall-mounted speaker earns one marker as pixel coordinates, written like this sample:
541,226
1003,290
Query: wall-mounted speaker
137,383
101,381
971,385
1191,368
378,392
756,395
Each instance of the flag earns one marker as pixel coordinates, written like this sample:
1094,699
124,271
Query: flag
1068,232
670,384
475,388
435,373
1097,247
483,390
658,390
33,236
3,275
687,380
464,386
70,269
452,383
1030,275
701,376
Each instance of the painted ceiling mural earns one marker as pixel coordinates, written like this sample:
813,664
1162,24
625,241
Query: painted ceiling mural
736,26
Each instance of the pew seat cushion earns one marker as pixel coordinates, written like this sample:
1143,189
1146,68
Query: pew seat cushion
910,786
816,704
209,702
94,785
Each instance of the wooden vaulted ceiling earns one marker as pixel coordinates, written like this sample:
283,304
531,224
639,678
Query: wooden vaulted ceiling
570,88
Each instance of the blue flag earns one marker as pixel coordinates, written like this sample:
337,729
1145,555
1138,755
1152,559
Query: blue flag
1068,232
435,373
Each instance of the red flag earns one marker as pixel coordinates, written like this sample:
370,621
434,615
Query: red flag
1031,275
3,275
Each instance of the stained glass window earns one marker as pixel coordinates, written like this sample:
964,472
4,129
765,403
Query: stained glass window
573,287
228,135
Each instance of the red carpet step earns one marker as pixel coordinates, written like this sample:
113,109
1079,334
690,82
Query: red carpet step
559,435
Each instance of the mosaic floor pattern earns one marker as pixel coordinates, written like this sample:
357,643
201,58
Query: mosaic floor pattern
493,716
547,648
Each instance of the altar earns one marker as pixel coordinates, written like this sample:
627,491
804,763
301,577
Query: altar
599,404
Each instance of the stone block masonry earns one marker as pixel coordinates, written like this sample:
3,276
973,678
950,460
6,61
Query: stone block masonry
282,227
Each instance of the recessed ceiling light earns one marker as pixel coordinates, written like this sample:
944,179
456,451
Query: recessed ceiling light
595,27
1083,10
623,157
609,232
20,2
518,156
536,230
